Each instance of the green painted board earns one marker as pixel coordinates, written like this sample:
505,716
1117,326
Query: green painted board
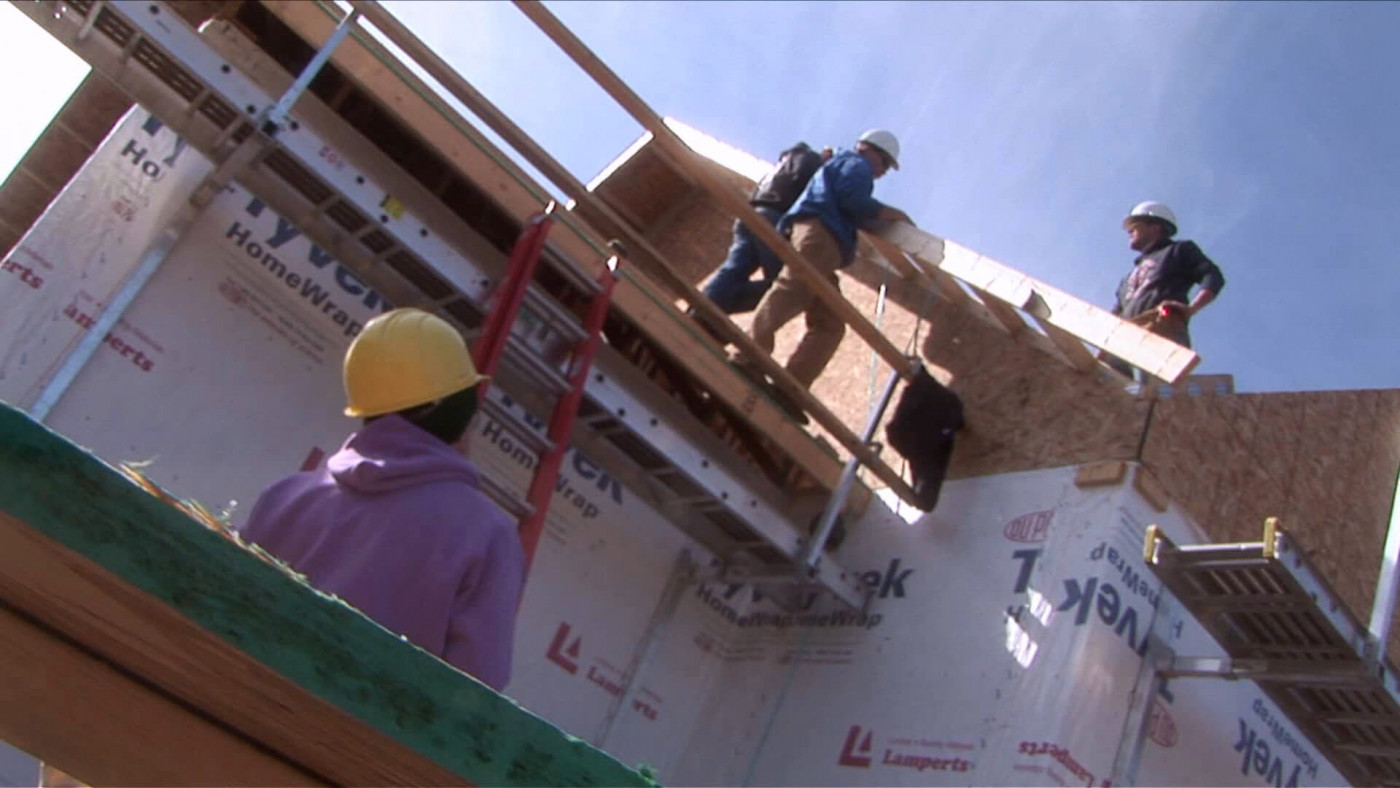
324,646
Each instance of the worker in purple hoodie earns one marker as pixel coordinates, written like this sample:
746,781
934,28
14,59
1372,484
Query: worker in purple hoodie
396,524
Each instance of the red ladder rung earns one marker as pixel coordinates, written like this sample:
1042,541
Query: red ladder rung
561,423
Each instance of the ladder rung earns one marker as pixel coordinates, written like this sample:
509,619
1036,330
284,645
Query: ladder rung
553,315
563,265
529,438
694,500
520,356
506,499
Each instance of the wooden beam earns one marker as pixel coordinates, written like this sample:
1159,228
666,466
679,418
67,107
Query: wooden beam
686,160
1067,346
189,610
875,246
69,707
638,298
1156,355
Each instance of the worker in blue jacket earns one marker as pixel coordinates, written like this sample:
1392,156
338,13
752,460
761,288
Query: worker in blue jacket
822,226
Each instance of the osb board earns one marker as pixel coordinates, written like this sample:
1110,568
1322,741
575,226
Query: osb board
643,185
1323,462
1026,409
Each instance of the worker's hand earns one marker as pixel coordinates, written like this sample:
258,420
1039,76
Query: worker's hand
1171,308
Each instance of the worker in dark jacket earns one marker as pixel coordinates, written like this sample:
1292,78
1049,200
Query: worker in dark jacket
1157,292
396,523
732,288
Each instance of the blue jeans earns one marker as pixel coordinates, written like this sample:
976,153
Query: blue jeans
731,288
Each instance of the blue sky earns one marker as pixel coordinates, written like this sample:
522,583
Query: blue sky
1029,129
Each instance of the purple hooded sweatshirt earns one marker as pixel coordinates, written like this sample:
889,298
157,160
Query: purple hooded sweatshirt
397,526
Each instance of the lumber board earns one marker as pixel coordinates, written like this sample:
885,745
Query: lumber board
874,245
194,612
636,296
74,710
686,160
1156,355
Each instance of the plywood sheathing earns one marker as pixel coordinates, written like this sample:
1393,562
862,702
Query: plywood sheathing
1325,463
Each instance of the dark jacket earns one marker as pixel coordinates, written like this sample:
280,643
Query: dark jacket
928,416
1166,274
779,189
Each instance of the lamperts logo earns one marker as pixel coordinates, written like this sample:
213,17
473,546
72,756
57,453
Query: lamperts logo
566,651
859,749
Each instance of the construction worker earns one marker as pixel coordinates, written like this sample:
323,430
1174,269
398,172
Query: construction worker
822,226
396,523
732,288
1157,292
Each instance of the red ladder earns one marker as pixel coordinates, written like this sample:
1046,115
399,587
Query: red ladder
491,346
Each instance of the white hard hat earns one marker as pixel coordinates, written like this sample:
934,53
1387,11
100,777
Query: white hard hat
885,141
1154,210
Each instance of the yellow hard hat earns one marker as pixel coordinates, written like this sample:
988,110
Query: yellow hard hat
404,358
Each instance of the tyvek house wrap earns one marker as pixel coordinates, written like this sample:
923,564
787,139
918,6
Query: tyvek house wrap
1001,647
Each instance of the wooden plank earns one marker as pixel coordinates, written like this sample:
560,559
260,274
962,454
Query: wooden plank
1100,473
71,708
1070,346
875,246
1001,311
686,160
636,296
189,610
1058,342
1156,355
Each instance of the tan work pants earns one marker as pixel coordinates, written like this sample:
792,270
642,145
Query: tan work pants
790,297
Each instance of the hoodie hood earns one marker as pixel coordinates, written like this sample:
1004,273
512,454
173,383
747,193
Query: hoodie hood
390,454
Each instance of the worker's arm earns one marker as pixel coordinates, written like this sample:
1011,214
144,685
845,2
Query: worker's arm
481,634
853,187
1203,297
1208,276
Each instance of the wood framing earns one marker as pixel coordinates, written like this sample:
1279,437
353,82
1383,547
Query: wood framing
1156,355
642,301
685,159
62,702
198,618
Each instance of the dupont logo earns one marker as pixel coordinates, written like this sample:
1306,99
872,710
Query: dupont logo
856,751
562,651
1161,728
1033,527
